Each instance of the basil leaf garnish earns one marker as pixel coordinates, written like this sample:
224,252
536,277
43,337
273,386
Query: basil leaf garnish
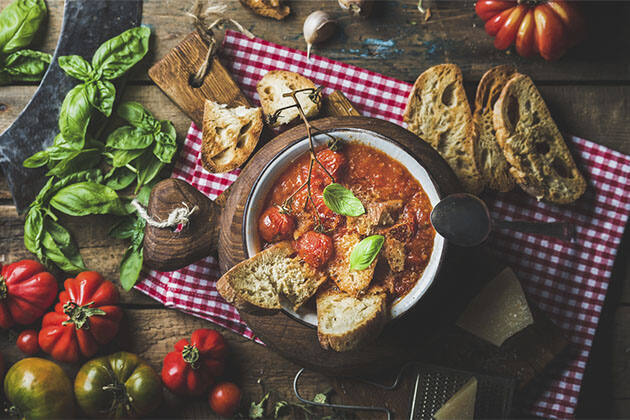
77,160
85,198
101,95
66,258
75,115
365,252
25,66
38,160
342,201
136,115
33,230
19,22
120,179
130,267
117,55
129,138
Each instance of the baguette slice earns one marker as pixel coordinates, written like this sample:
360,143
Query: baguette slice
541,162
278,82
438,112
262,280
346,323
229,136
495,170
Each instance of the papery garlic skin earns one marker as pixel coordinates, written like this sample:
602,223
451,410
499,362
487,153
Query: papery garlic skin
318,27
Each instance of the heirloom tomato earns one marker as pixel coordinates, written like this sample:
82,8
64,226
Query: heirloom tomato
546,27
120,385
85,317
225,398
26,291
38,389
195,365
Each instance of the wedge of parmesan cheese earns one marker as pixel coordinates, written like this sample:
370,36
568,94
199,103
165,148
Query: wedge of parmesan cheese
499,311
461,406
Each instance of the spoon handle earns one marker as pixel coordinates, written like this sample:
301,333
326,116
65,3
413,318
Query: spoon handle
560,230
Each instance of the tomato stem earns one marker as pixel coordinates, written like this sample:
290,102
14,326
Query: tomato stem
3,288
79,315
190,354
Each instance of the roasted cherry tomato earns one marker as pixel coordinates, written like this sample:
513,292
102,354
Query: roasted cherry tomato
225,398
334,163
275,226
315,248
27,342
547,27
26,291
120,385
194,365
39,389
330,219
86,317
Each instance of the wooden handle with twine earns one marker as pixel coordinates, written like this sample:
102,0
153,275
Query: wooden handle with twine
205,19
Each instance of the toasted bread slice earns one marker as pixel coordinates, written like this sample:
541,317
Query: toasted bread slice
377,214
278,82
350,281
345,323
229,135
394,248
262,279
268,8
438,112
494,168
541,162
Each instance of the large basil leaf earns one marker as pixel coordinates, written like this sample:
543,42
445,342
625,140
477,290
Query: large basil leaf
148,168
136,115
120,178
26,66
76,66
166,144
78,160
85,198
129,138
19,22
365,252
33,230
38,160
342,201
70,263
101,95
117,55
75,115
130,267
120,158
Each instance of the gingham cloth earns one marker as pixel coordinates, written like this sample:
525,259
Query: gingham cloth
567,281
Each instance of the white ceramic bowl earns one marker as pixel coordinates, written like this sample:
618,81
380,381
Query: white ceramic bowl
283,160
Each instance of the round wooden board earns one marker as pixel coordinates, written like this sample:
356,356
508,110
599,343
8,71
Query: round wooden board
402,339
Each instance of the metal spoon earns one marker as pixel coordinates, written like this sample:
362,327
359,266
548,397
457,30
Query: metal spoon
464,220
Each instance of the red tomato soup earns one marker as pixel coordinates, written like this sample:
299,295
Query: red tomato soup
396,207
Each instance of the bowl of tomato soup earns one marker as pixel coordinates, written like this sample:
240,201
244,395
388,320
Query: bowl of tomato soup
396,191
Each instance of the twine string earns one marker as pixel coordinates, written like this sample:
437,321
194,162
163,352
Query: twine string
205,19
177,216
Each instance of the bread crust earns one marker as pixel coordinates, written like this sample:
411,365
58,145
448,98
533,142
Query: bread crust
438,112
277,82
494,168
228,138
541,162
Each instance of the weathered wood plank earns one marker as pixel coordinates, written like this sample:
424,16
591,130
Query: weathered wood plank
398,42
597,113
151,333
620,363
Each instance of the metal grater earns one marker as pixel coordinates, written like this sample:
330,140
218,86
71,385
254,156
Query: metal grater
432,387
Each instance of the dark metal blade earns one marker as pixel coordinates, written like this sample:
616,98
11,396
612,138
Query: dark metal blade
86,25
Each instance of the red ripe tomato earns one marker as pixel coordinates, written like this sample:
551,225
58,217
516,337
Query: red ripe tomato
26,291
315,248
194,365
329,219
274,226
225,398
86,316
547,27
27,342
334,162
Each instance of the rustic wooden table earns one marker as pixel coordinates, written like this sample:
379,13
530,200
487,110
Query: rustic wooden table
588,92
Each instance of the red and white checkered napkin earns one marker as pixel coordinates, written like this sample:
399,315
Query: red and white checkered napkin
567,281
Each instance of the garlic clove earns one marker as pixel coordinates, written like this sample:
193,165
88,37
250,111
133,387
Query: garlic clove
318,27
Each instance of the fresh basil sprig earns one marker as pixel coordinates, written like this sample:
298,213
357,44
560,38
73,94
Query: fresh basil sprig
19,22
110,61
342,201
365,252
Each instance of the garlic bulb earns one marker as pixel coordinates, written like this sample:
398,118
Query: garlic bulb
318,27
361,8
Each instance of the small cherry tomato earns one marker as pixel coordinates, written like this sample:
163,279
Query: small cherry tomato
275,226
225,399
334,162
315,248
27,342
